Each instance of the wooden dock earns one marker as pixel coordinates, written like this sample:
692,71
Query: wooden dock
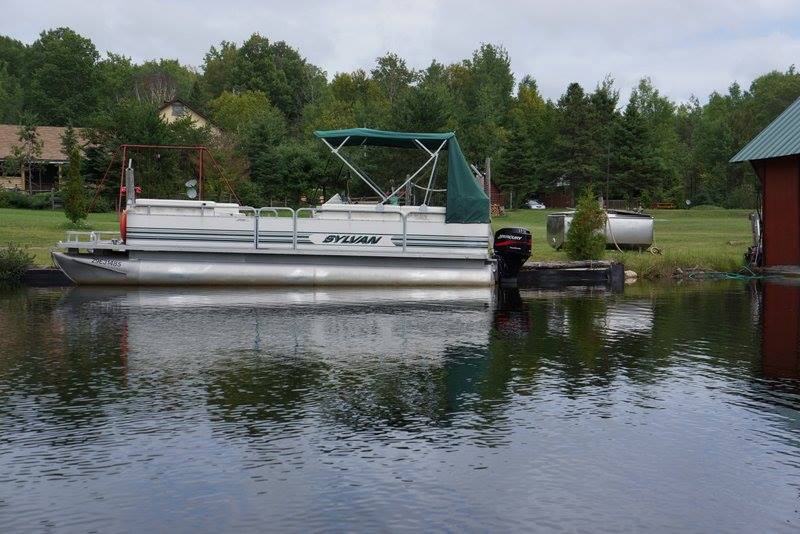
46,277
560,275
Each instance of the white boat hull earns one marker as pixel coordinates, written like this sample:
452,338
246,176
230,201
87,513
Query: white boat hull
240,269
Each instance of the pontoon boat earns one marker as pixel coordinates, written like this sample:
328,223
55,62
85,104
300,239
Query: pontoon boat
200,242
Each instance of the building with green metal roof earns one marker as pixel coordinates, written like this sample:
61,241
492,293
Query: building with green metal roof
775,156
780,138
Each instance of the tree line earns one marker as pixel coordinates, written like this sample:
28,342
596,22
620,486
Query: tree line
268,99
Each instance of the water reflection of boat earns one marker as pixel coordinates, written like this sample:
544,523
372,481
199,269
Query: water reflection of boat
511,316
411,357
284,297
334,324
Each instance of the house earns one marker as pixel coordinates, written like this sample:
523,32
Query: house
177,109
47,168
775,156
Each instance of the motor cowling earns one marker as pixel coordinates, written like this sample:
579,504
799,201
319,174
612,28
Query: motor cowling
512,248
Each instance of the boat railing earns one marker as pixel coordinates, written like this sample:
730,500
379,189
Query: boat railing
84,239
311,211
276,211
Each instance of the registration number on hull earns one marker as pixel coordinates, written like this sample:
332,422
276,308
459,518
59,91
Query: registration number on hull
107,262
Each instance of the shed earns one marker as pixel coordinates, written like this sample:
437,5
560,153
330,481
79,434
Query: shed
47,167
775,156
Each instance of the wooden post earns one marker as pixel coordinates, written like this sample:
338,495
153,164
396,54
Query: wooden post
489,179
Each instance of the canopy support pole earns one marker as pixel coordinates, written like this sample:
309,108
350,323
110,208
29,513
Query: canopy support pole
352,167
430,180
434,157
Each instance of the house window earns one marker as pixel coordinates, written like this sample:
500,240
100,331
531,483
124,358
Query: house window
178,109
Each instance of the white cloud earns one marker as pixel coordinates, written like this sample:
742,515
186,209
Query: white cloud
686,47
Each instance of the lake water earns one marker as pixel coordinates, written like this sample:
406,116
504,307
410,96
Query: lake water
665,408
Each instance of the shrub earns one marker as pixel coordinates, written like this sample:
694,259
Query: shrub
14,261
13,198
585,239
17,199
101,205
40,201
74,192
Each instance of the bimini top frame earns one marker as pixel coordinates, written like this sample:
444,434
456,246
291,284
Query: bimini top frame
466,201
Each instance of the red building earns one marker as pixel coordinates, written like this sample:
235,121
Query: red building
775,156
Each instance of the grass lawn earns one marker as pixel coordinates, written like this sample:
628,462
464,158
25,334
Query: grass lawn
688,238
40,230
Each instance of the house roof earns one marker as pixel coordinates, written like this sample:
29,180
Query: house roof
168,103
780,138
50,136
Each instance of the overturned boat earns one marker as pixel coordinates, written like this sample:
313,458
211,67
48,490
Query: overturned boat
198,242
624,229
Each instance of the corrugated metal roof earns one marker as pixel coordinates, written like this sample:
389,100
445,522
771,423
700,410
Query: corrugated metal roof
780,138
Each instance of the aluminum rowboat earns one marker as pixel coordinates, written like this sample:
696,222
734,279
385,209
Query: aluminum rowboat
628,229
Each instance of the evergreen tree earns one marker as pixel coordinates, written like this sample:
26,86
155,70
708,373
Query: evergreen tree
576,149
585,237
636,166
522,163
10,95
605,117
73,192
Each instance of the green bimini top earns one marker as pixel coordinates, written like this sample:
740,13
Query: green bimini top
466,201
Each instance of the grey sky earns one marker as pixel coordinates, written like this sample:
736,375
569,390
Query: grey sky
686,47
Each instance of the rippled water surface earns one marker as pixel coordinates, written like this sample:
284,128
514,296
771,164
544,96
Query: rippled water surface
673,408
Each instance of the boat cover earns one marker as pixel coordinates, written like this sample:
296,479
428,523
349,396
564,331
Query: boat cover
466,201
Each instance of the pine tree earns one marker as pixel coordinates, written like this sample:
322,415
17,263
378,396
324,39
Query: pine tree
585,239
74,193
521,166
637,169
576,148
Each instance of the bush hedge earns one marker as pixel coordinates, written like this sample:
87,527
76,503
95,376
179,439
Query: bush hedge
585,239
14,261
13,198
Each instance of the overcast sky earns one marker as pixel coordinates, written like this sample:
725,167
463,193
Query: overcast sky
686,47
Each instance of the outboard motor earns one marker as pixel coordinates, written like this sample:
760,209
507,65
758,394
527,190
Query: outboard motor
512,248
